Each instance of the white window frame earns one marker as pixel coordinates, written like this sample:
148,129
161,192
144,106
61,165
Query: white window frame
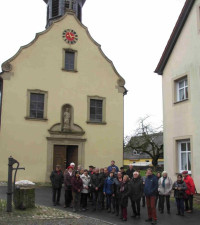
184,88
180,152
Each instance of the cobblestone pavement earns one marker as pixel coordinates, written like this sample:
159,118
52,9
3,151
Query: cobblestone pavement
80,221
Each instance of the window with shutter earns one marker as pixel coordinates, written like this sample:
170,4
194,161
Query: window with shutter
55,8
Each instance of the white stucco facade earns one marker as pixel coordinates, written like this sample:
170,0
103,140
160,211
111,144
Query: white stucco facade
181,118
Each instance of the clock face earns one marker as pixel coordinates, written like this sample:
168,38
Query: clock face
70,36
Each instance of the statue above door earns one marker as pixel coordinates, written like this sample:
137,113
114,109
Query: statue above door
66,125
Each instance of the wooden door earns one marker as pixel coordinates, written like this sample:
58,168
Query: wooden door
72,155
60,156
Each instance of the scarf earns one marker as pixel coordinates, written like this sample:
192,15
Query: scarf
163,183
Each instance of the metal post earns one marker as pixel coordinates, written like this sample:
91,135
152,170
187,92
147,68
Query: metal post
9,192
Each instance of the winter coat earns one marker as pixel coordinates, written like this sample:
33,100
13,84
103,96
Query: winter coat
109,186
111,167
151,185
68,181
97,180
77,184
168,186
86,183
130,173
56,179
136,188
123,194
179,193
117,184
190,185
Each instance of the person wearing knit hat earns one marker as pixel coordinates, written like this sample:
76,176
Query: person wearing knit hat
165,187
189,192
73,165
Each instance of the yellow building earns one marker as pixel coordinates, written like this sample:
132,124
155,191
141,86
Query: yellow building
62,99
180,70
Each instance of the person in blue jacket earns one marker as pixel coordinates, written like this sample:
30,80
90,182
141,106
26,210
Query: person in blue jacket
150,191
108,190
110,168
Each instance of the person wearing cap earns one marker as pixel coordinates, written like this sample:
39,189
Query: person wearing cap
68,186
165,187
130,171
77,186
72,165
189,192
179,188
113,166
56,178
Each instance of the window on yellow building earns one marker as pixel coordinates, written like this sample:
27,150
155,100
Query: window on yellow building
96,110
182,89
37,105
69,60
184,153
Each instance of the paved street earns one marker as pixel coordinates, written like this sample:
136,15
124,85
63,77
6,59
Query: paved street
43,197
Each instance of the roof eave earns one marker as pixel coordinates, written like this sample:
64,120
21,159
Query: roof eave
174,36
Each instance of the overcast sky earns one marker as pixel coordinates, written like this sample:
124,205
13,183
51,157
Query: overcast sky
132,33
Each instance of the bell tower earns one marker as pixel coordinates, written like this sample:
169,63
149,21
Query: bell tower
58,8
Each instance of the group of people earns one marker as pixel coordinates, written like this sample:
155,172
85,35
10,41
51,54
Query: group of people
111,188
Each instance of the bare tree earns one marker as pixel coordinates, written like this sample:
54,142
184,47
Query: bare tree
146,140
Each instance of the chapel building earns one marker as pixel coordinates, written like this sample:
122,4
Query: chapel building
61,99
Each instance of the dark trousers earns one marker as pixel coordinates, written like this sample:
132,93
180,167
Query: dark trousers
162,202
136,207
84,197
124,212
143,201
158,202
116,204
56,195
180,205
108,201
76,200
97,199
68,197
151,207
189,200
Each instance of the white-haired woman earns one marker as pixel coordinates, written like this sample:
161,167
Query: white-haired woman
165,187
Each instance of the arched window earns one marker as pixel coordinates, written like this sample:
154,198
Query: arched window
1,93
55,8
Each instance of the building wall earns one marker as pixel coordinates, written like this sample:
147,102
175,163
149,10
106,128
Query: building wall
181,120
39,66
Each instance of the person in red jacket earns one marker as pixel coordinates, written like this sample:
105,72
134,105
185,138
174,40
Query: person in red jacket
77,186
189,192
